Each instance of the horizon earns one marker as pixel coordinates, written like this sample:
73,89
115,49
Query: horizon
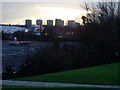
17,13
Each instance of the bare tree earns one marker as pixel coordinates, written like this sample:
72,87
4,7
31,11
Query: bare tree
102,27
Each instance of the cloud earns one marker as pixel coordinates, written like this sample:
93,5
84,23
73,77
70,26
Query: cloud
14,11
46,0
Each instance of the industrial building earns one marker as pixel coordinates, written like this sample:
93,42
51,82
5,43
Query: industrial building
49,23
28,22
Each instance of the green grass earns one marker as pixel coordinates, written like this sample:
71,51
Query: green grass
103,74
51,88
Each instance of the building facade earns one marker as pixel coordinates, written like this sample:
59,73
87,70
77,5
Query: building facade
72,24
38,21
28,23
49,23
59,23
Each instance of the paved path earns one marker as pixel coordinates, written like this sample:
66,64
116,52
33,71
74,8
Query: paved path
52,84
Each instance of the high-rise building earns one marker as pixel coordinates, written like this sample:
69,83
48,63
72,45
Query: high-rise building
38,21
62,23
59,23
72,24
49,23
28,22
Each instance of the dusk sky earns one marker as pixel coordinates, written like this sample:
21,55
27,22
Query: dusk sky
17,12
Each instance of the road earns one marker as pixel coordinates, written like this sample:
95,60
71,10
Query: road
54,84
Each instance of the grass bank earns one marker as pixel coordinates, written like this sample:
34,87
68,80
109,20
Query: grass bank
102,74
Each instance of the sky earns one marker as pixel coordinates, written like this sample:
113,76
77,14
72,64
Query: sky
16,11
